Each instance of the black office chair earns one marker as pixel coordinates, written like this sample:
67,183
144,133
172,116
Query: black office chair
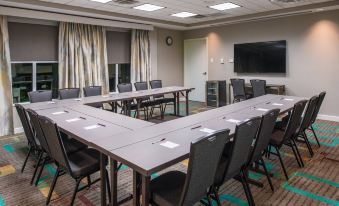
239,93
258,87
315,114
147,101
176,188
40,96
71,145
156,84
79,165
235,158
69,93
287,136
33,144
262,140
92,91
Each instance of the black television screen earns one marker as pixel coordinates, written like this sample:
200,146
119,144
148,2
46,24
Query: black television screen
261,57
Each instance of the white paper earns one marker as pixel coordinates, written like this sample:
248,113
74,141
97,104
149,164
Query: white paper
287,99
91,127
50,102
73,120
57,113
77,99
105,96
277,104
262,109
207,130
169,144
233,121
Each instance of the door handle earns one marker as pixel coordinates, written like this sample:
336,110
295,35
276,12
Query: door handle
204,73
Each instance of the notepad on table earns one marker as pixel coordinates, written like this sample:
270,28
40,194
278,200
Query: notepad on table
72,120
169,144
277,104
57,113
233,121
262,109
288,99
92,127
207,130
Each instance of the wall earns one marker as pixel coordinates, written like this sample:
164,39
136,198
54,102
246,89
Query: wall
170,58
312,55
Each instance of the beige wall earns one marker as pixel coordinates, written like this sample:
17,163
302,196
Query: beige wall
312,54
170,58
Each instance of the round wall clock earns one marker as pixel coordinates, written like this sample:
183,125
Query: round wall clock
169,41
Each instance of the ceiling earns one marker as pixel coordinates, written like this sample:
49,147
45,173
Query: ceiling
250,9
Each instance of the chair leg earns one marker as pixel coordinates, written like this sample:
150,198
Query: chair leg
40,172
75,191
315,135
216,195
303,134
108,186
41,153
26,159
89,181
295,154
247,188
267,174
298,153
52,186
282,163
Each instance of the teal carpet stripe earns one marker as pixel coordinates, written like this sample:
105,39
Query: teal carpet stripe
228,198
295,190
8,148
318,179
2,201
334,143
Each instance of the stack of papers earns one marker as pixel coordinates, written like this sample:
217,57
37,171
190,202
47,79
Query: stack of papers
169,144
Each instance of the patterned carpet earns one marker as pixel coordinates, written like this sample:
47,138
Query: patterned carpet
315,184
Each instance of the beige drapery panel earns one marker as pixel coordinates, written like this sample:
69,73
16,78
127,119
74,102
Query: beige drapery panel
140,56
6,101
82,56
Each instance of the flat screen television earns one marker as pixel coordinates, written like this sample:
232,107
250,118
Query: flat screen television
260,57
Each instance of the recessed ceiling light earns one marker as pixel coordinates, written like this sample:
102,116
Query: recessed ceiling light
184,14
148,7
224,6
102,1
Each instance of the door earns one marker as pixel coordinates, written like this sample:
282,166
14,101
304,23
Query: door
195,67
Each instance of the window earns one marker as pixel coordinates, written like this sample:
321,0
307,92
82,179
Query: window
32,76
118,73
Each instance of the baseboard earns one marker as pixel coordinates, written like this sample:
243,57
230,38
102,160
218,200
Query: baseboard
328,117
18,130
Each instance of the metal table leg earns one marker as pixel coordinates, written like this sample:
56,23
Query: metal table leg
145,190
136,188
114,182
178,104
103,178
187,104
175,104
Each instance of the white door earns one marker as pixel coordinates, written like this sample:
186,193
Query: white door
196,67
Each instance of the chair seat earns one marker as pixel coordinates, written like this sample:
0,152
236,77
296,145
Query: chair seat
166,100
166,189
84,162
72,145
277,137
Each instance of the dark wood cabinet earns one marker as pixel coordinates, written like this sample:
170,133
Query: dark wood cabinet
216,93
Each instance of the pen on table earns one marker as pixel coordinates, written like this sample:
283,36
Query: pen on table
196,127
163,139
82,118
101,125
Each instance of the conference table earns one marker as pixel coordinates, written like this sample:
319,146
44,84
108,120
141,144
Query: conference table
145,147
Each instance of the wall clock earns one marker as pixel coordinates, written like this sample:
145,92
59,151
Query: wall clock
169,41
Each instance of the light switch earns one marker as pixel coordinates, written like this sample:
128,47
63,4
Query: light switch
222,61
212,60
231,61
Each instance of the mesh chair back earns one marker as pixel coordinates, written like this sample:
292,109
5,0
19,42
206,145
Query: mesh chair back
240,150
125,87
38,131
238,86
204,157
294,120
69,93
25,124
139,86
264,134
40,96
258,87
307,119
57,150
92,91
156,84
317,108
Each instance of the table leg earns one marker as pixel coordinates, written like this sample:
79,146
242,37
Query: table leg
178,104
114,182
229,94
136,189
103,178
138,108
175,104
145,190
187,104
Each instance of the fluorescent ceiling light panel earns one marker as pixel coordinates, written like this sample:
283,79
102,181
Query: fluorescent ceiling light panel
102,1
224,6
184,14
148,7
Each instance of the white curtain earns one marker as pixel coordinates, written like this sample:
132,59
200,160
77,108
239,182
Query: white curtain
140,56
82,56
6,100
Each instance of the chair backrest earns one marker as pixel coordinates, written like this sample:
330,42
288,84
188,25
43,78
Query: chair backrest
25,124
92,91
69,93
139,86
264,134
58,152
239,152
125,87
204,157
307,119
317,108
156,84
258,87
34,117
40,96
238,86
295,120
